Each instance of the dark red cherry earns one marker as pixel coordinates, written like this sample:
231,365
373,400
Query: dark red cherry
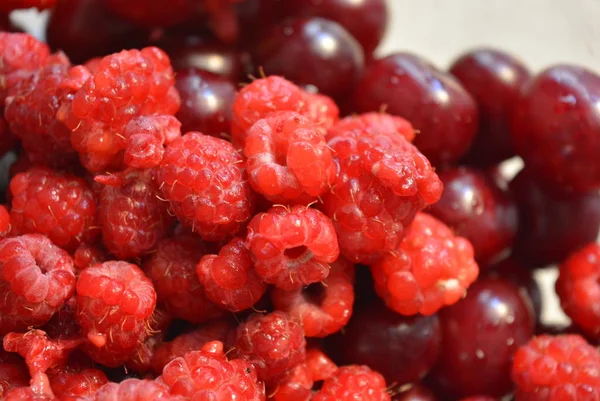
206,102
312,51
551,225
255,17
480,335
555,127
494,79
442,111
403,349
416,392
478,209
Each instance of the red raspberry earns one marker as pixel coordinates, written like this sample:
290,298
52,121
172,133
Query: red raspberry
63,324
38,390
68,384
353,382
229,278
5,226
288,159
383,181
296,385
292,247
58,205
430,269
131,214
114,304
36,278
88,255
132,390
12,375
10,5
207,374
374,124
205,182
321,110
141,361
319,365
273,343
126,85
146,137
564,368
578,287
323,308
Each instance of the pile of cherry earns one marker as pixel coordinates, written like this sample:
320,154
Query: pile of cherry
249,204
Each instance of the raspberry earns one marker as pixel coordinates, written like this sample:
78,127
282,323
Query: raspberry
273,343
141,362
374,124
10,5
132,390
205,182
288,159
430,269
292,247
556,368
321,110
207,374
68,384
126,85
5,226
327,308
353,382
58,205
36,278
229,278
146,136
38,390
88,255
320,367
131,214
114,304
579,289
172,269
383,181
12,375
63,324
296,385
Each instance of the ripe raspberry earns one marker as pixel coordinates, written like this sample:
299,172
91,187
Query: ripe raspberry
273,343
353,382
292,247
5,226
296,385
205,182
578,287
131,214
207,374
430,269
126,85
69,384
36,278
383,181
319,365
321,110
146,137
60,206
288,159
374,124
132,390
12,375
10,5
556,368
88,255
114,304
38,390
141,361
323,308
172,269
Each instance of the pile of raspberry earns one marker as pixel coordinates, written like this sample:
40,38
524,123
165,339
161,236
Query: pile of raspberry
227,211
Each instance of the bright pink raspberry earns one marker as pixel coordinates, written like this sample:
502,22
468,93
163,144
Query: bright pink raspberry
58,205
146,137
204,180
36,278
430,269
374,124
68,384
115,301
172,269
351,383
323,308
292,247
288,159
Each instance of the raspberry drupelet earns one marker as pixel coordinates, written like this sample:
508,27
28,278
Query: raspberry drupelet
382,182
36,278
288,159
87,255
68,384
114,304
59,205
323,308
321,110
430,269
292,247
296,385
320,367
353,382
132,215
374,124
146,137
229,278
556,368
205,182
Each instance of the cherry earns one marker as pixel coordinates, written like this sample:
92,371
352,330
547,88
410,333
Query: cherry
312,51
478,209
255,18
552,225
494,79
444,114
403,349
555,127
416,392
480,335
366,20
206,102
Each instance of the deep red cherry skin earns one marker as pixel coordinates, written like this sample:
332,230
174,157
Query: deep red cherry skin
416,392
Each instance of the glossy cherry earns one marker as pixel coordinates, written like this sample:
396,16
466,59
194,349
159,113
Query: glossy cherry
480,335
442,111
312,51
478,209
552,225
494,79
